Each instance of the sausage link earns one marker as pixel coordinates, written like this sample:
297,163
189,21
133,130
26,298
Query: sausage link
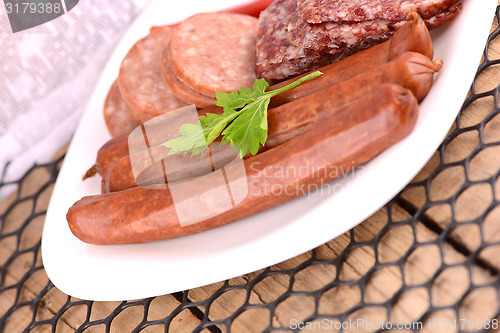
411,70
141,215
412,36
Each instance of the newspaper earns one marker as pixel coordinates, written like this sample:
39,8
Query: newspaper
47,75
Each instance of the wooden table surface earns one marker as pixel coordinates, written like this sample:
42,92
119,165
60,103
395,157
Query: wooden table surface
431,255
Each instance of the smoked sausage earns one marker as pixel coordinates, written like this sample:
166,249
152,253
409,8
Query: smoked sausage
411,70
140,79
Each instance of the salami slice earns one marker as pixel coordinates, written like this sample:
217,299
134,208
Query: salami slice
184,92
140,79
214,51
329,36
117,115
319,11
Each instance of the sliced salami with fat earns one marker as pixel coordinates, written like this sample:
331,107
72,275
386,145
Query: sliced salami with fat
328,36
319,11
289,45
276,57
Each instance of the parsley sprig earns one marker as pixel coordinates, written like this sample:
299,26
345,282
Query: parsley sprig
243,122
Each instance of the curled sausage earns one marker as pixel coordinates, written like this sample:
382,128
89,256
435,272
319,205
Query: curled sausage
141,215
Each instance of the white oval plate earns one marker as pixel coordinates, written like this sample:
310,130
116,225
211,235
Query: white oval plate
137,271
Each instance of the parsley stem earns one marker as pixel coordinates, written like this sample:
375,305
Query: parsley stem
295,83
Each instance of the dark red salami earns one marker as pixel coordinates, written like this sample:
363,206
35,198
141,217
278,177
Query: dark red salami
289,45
328,36
444,17
182,90
319,11
276,57
331,36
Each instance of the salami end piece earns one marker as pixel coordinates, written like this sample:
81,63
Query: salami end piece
319,11
117,115
289,44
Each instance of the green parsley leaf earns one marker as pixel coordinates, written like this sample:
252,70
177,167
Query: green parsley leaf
249,130
192,138
243,123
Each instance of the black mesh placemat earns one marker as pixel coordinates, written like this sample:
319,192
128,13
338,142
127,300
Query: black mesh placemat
417,261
